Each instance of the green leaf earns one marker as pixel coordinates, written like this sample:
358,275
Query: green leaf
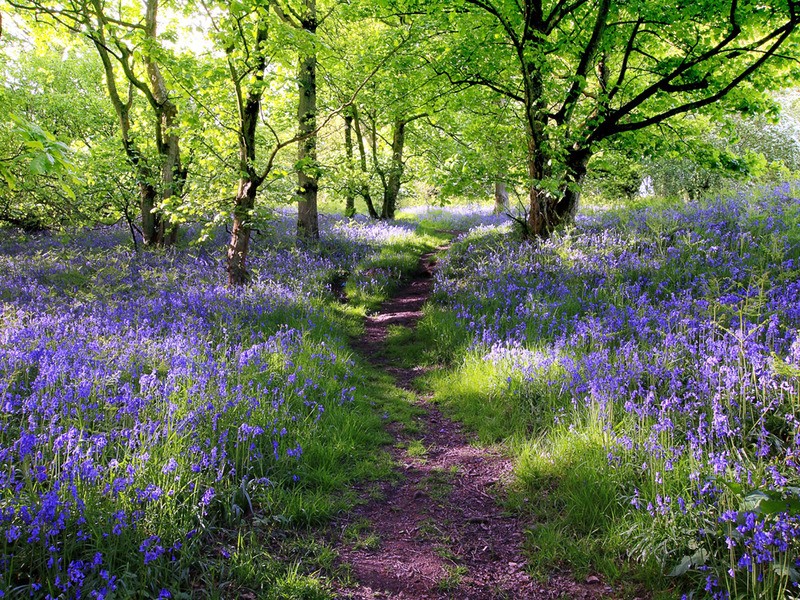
8,176
786,571
68,191
34,145
39,164
682,567
687,562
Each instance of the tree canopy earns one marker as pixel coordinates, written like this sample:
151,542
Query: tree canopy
224,110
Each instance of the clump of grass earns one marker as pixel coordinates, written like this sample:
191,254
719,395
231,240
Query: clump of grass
438,484
416,449
452,578
361,536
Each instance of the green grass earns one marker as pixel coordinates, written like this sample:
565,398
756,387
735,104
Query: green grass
246,566
360,535
452,578
430,530
416,449
374,281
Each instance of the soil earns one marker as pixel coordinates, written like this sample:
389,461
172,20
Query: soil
438,531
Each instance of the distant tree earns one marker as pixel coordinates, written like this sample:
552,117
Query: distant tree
473,147
259,40
697,155
57,134
403,92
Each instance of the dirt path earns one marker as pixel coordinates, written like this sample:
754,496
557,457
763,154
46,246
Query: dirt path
438,532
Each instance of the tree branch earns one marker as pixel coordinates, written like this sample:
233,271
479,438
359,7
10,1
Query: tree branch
612,126
579,79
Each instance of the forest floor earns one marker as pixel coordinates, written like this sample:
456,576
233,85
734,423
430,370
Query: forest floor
438,528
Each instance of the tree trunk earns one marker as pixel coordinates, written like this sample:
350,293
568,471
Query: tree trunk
167,140
350,204
500,198
393,181
539,223
173,175
240,234
362,153
567,207
148,194
548,212
307,217
148,197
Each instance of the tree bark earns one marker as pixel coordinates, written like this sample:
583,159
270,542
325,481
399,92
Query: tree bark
240,234
500,198
539,219
148,194
548,211
249,108
362,153
173,175
393,180
307,186
350,204
167,140
148,199
567,206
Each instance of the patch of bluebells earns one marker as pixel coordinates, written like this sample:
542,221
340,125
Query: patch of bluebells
679,328
137,391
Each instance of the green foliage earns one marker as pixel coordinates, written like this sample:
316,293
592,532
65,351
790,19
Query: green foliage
76,176
697,155
450,62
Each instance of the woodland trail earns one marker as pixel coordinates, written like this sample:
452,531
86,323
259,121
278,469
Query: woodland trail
438,530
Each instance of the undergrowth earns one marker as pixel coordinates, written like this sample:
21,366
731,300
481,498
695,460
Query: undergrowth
164,436
643,369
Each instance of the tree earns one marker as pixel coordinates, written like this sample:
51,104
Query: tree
255,63
584,72
391,175
126,38
307,167
242,31
403,91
